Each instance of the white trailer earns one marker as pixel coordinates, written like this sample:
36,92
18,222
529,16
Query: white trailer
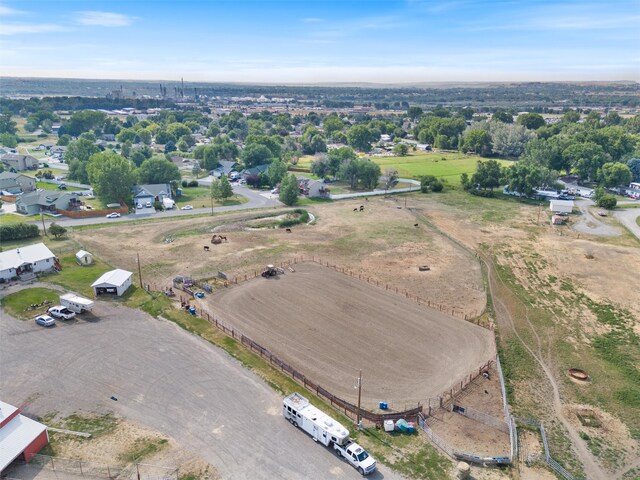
316,423
76,303
327,431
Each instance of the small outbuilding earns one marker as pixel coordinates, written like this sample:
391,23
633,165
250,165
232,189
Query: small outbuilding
561,206
115,282
84,258
20,437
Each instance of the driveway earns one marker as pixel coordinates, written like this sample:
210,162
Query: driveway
588,223
627,217
167,379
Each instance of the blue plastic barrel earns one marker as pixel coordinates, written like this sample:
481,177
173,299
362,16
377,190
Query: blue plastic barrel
383,406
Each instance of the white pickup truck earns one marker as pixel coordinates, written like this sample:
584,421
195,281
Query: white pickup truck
356,456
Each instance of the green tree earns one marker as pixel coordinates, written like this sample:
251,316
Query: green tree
157,170
369,173
525,177
531,121
8,140
429,183
607,201
509,140
571,117
502,116
360,138
634,167
57,230
126,135
83,121
289,190
7,125
332,124
615,174
221,189
276,172
487,175
586,158
145,136
77,156
401,149
64,140
476,140
112,177
256,154
414,112
390,178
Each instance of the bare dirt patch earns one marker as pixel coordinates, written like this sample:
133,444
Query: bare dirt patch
329,325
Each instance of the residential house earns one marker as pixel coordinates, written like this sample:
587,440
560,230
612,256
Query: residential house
257,170
108,137
19,162
25,261
151,193
46,201
317,189
16,183
224,168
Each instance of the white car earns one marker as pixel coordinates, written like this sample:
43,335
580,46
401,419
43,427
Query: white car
148,205
139,205
61,312
187,207
45,320
113,215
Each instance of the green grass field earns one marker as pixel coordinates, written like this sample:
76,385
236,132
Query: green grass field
200,196
54,186
17,304
444,165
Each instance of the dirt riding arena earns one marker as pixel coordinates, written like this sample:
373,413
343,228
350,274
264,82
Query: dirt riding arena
329,325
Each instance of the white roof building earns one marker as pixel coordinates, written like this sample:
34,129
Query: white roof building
30,259
19,435
114,282
84,258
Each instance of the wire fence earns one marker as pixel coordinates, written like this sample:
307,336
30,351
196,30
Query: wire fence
71,468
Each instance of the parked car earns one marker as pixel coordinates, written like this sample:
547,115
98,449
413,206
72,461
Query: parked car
62,186
113,215
187,207
61,312
242,181
148,205
45,320
275,190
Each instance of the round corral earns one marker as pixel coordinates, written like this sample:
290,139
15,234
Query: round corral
328,325
579,374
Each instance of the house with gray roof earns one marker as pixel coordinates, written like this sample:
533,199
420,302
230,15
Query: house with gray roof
19,162
16,183
45,201
257,170
151,193
224,167
26,261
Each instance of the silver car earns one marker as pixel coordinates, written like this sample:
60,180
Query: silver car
45,320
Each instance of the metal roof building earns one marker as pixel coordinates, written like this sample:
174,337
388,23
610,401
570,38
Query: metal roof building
114,282
20,437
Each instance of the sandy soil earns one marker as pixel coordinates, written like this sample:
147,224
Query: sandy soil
329,325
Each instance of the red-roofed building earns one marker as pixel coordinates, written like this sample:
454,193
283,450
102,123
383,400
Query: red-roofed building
20,437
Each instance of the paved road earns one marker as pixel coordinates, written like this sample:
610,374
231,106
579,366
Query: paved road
627,216
167,379
256,200
380,191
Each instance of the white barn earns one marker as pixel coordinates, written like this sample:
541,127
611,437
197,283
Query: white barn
25,261
84,258
561,206
115,282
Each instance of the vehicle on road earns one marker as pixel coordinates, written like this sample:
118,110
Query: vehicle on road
76,303
327,431
113,215
45,320
61,312
187,207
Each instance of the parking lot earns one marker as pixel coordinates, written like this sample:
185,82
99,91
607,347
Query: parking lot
166,379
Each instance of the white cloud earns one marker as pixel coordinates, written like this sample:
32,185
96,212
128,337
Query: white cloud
104,19
6,11
21,28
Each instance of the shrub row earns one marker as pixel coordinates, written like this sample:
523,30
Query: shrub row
18,231
482,193
303,218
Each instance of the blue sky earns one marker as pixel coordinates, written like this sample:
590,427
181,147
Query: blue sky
312,41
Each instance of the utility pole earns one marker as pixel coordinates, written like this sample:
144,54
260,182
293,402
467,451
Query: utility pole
359,398
211,204
539,210
44,227
139,269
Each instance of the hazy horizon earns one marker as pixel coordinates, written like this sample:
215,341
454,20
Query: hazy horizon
401,42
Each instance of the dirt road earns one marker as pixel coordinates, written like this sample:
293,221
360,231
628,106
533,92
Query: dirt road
628,218
588,223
